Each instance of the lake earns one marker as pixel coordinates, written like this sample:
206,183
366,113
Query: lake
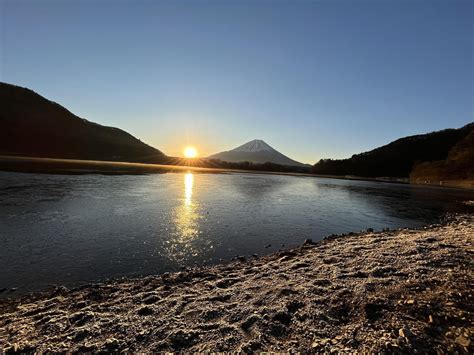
76,229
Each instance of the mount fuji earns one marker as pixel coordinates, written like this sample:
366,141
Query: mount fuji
255,151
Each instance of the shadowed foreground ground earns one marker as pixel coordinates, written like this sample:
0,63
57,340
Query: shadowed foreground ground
393,291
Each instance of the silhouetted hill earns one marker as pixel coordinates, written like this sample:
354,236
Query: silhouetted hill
257,152
398,158
459,165
31,125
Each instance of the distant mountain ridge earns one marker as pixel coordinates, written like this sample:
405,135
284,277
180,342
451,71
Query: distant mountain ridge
255,151
398,158
31,125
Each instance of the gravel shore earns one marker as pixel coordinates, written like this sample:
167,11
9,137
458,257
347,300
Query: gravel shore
393,291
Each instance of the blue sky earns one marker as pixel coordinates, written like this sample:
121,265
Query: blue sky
314,79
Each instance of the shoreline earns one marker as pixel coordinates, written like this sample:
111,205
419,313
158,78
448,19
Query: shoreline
21,164
397,291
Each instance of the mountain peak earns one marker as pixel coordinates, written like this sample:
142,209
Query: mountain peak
256,145
256,151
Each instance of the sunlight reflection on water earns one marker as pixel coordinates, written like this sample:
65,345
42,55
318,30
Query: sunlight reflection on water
188,188
186,219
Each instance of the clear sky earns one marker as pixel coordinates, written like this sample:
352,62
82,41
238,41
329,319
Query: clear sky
314,79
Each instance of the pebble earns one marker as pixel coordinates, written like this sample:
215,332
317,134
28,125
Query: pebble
463,341
405,332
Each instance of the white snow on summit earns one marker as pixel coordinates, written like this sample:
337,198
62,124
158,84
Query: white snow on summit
257,145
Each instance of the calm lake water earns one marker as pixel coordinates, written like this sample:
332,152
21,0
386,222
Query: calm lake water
59,229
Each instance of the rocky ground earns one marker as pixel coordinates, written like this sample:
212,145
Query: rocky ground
394,291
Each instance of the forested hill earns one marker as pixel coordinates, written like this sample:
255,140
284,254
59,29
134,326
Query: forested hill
459,165
398,158
31,125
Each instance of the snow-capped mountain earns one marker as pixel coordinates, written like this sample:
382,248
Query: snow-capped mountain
255,151
257,145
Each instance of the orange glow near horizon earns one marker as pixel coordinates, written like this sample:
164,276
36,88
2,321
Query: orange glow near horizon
190,152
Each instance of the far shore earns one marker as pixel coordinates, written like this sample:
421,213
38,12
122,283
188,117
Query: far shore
397,291
79,167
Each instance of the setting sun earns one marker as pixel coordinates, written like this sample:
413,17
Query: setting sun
190,152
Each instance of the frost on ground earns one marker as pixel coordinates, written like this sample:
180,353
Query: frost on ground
395,291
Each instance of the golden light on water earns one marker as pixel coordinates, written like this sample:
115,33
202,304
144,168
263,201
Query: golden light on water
188,188
186,218
190,152
187,214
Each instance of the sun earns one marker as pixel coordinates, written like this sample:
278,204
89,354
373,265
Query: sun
190,152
